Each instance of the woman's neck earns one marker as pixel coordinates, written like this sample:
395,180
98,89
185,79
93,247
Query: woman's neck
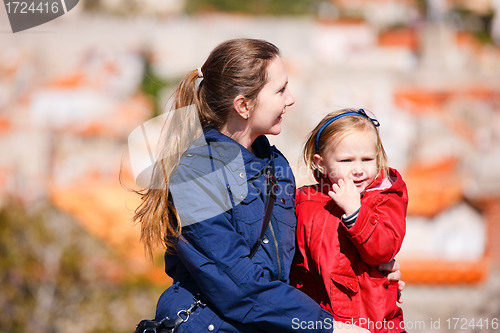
239,134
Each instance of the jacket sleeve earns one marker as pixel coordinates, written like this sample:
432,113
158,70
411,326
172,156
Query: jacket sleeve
380,226
318,243
216,256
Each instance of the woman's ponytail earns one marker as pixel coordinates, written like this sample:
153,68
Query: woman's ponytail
185,94
160,225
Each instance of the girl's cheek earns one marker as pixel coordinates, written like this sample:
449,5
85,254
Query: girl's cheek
341,172
336,173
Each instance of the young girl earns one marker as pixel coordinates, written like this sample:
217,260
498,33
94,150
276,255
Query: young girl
350,222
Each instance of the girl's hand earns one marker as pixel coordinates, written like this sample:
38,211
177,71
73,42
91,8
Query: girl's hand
394,275
346,195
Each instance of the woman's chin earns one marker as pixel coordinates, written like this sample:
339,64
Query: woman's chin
275,130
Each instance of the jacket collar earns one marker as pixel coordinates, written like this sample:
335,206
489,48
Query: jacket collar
383,183
253,164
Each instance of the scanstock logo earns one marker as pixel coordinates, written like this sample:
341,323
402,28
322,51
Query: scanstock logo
31,13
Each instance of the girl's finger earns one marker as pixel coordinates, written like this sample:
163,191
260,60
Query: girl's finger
349,182
401,285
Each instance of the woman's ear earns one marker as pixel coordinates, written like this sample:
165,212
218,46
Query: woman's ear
318,160
240,104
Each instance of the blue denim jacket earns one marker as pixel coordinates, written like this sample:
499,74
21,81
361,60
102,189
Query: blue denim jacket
212,258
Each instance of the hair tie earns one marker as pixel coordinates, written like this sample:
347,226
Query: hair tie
360,112
200,74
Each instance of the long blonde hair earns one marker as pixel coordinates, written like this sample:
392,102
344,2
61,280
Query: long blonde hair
235,67
337,129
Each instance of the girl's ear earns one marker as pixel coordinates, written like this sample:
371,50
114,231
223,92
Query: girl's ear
318,160
241,105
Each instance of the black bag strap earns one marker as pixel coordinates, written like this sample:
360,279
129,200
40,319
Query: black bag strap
271,189
169,325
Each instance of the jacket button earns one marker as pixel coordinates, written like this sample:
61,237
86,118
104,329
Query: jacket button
211,327
373,220
243,197
265,240
221,154
282,200
242,175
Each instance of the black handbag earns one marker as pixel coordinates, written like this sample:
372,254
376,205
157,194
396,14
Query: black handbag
171,325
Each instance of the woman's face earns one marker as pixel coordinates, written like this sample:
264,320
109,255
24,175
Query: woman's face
272,101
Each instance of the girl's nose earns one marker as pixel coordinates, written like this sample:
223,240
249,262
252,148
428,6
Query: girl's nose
357,169
289,99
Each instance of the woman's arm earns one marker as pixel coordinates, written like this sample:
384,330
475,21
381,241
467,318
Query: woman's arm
392,269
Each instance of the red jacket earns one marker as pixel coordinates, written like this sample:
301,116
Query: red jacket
337,266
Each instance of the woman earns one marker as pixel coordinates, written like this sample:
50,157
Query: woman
209,203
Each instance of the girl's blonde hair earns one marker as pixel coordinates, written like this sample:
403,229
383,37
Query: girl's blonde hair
235,67
336,130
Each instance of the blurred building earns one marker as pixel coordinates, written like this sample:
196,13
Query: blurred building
137,7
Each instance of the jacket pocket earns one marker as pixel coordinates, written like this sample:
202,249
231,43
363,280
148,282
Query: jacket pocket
284,213
283,209
344,297
250,209
247,214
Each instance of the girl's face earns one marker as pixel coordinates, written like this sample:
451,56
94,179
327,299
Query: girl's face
272,101
352,156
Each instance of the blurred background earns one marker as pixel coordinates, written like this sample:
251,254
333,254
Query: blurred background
73,89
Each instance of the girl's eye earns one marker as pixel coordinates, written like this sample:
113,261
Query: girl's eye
282,90
368,159
345,160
